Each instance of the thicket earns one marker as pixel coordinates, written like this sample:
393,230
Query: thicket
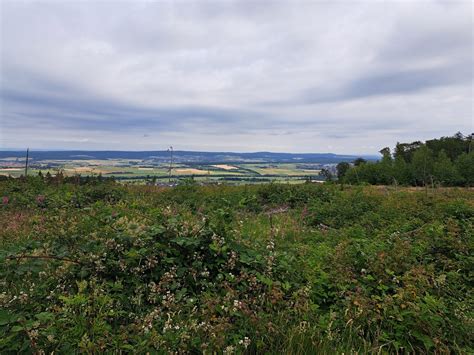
447,161
100,267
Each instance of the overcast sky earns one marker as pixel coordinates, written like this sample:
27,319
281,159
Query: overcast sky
313,76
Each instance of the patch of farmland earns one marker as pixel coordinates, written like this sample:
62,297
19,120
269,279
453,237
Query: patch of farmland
225,167
190,171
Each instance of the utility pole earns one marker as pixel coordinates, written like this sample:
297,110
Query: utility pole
26,162
171,164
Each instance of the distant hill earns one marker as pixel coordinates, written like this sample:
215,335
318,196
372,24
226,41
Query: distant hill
186,156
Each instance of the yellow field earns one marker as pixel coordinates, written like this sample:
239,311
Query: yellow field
225,166
190,171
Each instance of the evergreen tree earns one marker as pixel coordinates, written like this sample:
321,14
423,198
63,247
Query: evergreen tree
49,178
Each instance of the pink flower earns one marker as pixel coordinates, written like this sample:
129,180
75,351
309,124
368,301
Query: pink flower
5,200
40,199
304,213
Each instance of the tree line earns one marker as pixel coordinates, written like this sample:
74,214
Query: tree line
447,161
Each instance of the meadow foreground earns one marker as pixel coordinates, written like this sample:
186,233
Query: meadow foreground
237,269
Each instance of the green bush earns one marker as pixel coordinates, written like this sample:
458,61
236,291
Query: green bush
100,267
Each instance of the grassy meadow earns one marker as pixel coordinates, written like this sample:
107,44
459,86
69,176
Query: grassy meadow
272,268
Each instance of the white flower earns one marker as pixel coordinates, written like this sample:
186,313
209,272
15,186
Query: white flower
245,342
229,350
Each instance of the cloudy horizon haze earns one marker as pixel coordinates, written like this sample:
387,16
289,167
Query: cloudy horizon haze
347,77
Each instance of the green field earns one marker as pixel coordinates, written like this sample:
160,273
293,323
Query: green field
100,267
137,170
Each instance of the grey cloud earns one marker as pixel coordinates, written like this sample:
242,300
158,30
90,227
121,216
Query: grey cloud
390,82
407,81
258,75
103,115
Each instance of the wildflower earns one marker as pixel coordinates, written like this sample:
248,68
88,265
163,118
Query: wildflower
237,305
23,297
271,245
33,334
40,199
304,213
229,350
232,259
245,342
5,200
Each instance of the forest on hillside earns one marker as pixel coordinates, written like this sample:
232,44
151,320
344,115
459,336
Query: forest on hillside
447,161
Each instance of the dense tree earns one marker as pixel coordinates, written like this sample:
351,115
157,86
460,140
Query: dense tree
422,165
453,146
359,161
447,160
326,174
406,150
385,167
342,169
401,171
445,171
465,166
386,155
48,177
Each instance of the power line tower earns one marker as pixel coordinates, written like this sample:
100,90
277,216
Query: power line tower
171,164
26,162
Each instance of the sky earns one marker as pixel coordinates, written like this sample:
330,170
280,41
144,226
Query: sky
284,76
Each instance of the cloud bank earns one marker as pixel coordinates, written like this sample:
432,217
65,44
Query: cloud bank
346,77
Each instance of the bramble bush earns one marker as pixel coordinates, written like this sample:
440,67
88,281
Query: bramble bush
94,266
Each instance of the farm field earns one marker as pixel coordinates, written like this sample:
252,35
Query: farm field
272,268
139,170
